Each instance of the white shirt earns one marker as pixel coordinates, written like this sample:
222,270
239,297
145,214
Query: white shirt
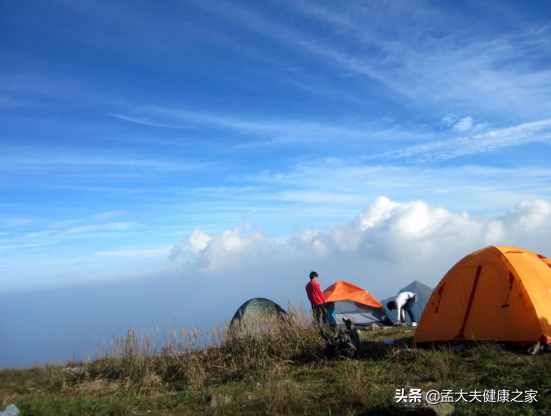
401,300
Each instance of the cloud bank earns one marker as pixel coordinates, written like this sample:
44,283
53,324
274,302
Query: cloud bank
386,246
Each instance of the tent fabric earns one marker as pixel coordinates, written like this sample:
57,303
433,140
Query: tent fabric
256,311
343,290
359,314
494,294
354,303
423,294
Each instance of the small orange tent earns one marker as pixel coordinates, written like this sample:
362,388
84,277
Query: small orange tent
493,294
342,290
350,302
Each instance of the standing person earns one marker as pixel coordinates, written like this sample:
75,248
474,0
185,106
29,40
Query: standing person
316,298
403,303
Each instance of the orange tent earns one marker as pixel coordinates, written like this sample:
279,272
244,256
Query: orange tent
342,290
346,301
494,294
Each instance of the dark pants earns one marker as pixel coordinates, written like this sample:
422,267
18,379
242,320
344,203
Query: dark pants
319,312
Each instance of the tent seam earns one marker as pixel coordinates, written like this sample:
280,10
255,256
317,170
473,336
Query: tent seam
520,279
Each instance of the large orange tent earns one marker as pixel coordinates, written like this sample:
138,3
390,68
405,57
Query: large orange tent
354,303
493,294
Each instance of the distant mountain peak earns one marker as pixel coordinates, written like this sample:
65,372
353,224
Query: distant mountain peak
423,293
416,286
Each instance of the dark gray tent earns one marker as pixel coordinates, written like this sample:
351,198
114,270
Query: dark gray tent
256,312
423,293
360,315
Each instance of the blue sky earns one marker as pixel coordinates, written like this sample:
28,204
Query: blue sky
127,126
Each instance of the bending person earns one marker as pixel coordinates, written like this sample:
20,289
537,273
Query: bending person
403,304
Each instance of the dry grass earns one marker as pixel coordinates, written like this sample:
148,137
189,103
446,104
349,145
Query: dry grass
281,370
185,361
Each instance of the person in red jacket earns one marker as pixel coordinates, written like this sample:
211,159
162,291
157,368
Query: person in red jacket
316,298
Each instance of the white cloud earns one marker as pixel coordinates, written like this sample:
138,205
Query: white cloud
316,193
529,216
379,211
466,123
23,159
424,60
99,228
533,132
145,121
216,253
198,241
495,232
276,130
449,120
392,243
66,230
349,183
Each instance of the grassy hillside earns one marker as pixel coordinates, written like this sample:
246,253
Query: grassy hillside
284,371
